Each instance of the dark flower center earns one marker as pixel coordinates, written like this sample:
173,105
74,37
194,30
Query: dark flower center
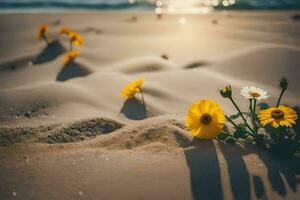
277,114
205,119
254,94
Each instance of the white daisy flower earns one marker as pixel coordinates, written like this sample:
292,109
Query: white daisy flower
254,92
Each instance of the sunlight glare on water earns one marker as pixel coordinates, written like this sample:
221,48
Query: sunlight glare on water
190,6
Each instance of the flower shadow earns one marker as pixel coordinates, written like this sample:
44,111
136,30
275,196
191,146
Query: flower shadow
134,109
278,169
259,187
281,170
50,52
202,159
204,170
237,170
72,70
16,64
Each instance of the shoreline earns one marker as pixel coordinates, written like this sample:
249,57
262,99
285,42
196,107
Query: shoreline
55,11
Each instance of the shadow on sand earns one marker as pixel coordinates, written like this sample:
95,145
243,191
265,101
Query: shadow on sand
134,109
72,70
16,64
204,168
50,52
205,172
238,172
280,169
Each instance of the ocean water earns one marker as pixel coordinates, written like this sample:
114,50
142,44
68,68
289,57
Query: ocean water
170,6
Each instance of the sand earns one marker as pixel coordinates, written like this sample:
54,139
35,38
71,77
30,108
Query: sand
65,132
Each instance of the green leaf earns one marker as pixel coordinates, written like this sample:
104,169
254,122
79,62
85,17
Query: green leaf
242,126
230,140
297,126
223,136
240,133
263,106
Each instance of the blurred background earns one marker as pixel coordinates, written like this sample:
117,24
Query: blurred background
166,6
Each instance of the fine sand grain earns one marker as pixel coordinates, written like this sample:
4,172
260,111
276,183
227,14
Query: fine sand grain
65,132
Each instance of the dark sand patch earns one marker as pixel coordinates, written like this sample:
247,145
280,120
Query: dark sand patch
296,17
11,136
132,19
37,110
93,30
49,53
74,132
195,65
81,130
16,64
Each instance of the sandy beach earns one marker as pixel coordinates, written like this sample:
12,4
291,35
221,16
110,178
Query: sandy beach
66,133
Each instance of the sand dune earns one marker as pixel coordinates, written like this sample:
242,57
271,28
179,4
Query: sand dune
142,65
265,64
52,116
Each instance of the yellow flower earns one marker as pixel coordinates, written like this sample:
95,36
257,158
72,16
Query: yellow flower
76,38
65,31
205,119
280,116
70,56
42,31
132,88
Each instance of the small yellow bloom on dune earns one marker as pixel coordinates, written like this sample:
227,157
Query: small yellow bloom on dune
280,116
42,31
70,56
76,38
205,119
132,88
65,31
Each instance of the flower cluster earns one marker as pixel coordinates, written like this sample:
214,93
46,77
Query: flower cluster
272,128
74,39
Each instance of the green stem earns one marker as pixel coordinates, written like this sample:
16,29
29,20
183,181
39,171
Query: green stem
236,126
45,39
253,113
142,97
254,107
231,99
279,99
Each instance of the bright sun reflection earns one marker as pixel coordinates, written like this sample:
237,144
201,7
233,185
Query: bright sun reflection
182,20
131,1
189,6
